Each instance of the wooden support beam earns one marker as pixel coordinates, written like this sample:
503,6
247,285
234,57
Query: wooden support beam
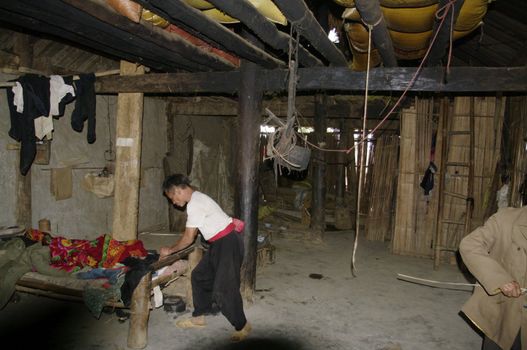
461,79
139,314
246,204
305,23
340,185
174,45
193,260
42,20
23,47
178,11
264,29
370,11
338,107
129,127
318,205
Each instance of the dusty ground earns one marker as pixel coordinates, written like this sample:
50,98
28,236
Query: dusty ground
290,311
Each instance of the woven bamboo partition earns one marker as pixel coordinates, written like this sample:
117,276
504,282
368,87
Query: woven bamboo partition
383,179
518,126
415,213
488,113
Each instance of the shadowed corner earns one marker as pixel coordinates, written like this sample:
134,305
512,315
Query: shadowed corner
43,323
261,344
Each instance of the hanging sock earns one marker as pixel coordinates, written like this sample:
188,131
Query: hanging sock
85,105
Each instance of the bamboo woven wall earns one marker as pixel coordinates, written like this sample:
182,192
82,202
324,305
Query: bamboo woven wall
488,114
384,175
415,213
518,126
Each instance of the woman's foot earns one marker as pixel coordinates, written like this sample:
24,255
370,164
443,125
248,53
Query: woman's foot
242,333
193,322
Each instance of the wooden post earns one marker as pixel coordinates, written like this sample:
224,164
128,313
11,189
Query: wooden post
246,204
370,11
443,37
129,127
140,312
23,47
318,220
193,260
340,186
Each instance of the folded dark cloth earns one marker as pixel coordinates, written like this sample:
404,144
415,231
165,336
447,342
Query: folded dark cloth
137,269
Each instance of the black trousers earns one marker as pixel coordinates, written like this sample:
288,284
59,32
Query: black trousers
217,279
490,345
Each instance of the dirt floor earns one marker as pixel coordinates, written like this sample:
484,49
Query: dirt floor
291,310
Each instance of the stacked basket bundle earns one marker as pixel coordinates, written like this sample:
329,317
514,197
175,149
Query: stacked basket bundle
410,24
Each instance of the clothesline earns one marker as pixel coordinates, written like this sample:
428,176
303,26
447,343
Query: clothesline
75,77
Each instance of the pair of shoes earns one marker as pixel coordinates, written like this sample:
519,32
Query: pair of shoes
193,322
242,333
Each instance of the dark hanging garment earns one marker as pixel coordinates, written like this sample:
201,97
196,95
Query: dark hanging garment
428,179
137,268
66,99
84,105
36,104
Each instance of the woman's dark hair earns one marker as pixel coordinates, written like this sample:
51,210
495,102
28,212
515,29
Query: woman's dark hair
175,180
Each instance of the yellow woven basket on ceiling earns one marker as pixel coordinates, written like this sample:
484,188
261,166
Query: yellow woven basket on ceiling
410,24
265,7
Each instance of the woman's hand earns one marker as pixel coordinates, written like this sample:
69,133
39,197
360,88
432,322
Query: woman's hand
511,289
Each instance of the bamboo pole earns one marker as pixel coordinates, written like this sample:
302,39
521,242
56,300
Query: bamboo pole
33,71
470,180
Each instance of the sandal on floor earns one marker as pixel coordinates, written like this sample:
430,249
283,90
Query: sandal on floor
188,323
242,333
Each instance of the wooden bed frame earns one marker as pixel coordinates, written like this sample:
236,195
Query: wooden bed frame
70,289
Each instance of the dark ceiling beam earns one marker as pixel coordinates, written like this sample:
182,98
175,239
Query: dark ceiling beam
467,55
442,41
173,44
512,9
264,29
337,106
370,12
520,57
58,16
179,12
35,25
504,30
305,23
488,50
461,80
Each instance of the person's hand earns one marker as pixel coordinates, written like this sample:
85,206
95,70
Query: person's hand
511,289
164,251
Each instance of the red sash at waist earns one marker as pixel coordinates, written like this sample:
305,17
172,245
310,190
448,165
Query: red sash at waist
230,227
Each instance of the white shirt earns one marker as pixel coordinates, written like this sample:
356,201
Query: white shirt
206,215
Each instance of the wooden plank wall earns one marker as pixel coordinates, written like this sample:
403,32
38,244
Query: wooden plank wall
384,176
415,213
